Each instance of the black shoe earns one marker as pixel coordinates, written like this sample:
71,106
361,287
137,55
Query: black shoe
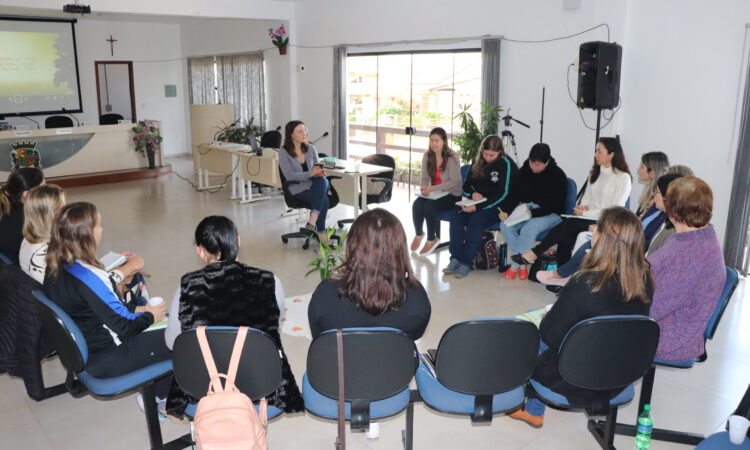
519,259
310,230
554,289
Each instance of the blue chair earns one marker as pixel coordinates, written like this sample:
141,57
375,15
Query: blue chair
601,354
258,375
481,367
379,364
5,260
445,216
647,386
73,351
720,441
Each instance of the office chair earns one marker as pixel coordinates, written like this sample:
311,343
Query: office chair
383,194
110,119
293,202
58,122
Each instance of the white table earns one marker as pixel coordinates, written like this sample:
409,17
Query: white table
242,164
357,177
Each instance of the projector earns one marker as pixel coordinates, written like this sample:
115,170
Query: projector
75,8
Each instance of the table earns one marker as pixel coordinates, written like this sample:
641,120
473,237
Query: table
354,181
242,164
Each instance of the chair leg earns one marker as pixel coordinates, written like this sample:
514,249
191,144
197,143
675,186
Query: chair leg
409,432
604,432
152,418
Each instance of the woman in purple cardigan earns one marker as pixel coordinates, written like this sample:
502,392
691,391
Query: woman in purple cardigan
689,271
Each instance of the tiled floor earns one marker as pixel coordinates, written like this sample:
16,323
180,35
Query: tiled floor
156,219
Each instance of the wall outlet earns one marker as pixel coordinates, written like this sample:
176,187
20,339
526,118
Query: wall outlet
575,64
300,68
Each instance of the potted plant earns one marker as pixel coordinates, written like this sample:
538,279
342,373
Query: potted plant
147,140
279,39
329,256
470,137
240,133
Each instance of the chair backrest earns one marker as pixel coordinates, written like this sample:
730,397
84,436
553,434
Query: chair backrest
465,171
608,352
733,278
259,372
487,356
4,259
570,197
381,159
110,119
65,336
289,199
58,122
378,363
271,139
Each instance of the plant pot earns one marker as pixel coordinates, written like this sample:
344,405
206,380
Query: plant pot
151,158
282,50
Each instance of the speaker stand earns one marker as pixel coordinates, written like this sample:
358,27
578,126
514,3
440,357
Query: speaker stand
598,124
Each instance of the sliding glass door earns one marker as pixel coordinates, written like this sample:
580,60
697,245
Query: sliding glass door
395,99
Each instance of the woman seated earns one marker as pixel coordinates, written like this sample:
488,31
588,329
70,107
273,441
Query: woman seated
689,271
608,185
39,208
441,171
667,228
226,292
77,282
541,185
615,280
12,195
375,285
298,161
490,176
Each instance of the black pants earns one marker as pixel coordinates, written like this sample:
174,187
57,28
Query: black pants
425,210
564,235
134,352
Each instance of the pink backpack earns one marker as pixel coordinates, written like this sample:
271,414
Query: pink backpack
226,418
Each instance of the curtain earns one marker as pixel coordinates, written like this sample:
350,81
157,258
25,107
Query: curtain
339,103
201,79
240,82
491,71
736,236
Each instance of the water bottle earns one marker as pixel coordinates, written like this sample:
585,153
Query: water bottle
645,425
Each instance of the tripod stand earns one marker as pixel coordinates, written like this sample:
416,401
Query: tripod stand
509,140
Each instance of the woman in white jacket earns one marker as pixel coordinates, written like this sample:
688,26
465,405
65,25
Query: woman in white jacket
608,185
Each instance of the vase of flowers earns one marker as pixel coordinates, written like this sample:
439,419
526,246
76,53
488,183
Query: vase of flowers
147,140
279,38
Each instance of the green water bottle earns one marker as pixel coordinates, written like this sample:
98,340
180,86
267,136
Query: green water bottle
645,425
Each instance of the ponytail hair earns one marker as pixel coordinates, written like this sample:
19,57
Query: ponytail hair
19,181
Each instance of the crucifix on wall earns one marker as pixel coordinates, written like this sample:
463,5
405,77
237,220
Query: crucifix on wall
112,44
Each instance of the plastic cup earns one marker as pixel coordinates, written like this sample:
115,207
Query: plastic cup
357,165
738,426
155,301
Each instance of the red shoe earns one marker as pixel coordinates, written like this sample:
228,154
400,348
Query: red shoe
510,274
523,274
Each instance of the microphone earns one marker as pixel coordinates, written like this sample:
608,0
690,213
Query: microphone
29,118
321,137
78,123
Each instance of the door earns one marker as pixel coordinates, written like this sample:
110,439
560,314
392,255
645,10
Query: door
114,91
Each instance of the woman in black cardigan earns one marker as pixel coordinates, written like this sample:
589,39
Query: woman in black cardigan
228,293
615,279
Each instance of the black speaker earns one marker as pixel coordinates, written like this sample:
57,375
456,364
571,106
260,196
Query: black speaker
599,75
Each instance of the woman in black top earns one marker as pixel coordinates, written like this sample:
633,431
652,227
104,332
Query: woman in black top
615,279
375,286
12,194
490,176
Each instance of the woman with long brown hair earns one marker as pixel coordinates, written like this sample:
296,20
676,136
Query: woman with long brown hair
298,161
615,279
441,172
77,282
40,206
489,179
375,285
12,194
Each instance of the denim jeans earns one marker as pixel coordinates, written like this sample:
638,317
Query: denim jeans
522,236
466,233
534,406
574,263
317,198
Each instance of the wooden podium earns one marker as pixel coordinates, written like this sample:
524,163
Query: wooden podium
205,122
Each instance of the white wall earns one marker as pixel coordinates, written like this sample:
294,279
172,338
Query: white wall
525,68
682,66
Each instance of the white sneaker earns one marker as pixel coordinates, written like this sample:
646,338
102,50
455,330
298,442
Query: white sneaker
161,405
374,431
545,277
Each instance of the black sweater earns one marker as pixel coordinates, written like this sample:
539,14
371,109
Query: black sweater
578,302
11,233
328,311
494,184
548,189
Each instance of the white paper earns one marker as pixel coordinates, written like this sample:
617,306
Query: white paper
520,214
470,202
434,195
112,260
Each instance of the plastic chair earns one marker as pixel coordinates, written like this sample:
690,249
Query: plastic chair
601,354
4,259
379,364
73,351
647,386
110,119
445,216
58,122
258,375
386,178
481,368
